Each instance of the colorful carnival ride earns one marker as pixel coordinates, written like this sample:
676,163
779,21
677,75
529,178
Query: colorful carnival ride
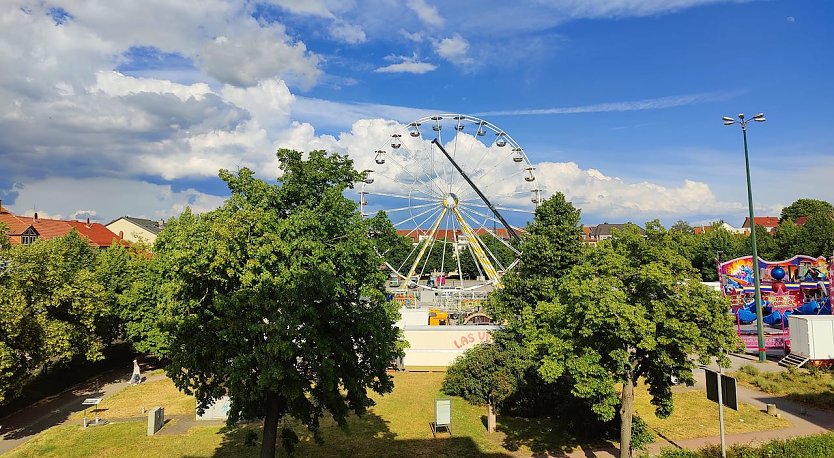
800,285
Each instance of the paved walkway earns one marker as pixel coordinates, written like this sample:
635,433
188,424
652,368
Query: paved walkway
19,427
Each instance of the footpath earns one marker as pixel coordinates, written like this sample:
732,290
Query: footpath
19,427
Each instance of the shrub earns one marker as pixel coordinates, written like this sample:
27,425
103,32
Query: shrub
749,369
817,446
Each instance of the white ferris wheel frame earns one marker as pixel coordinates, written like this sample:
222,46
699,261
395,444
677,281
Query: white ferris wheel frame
437,194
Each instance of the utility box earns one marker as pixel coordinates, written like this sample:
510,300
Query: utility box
812,336
156,418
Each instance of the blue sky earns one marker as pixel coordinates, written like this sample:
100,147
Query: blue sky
129,109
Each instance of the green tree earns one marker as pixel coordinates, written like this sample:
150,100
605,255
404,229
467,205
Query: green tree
682,226
708,245
633,309
806,207
787,239
4,239
552,244
277,299
816,236
51,307
393,248
766,244
482,374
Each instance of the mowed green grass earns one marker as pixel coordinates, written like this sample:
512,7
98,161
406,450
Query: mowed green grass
696,416
130,401
399,425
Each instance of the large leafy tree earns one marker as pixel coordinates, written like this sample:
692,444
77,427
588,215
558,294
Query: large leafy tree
709,245
767,246
276,298
632,309
552,244
806,207
816,236
51,308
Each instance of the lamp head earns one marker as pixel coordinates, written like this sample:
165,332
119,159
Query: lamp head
728,120
759,117
741,116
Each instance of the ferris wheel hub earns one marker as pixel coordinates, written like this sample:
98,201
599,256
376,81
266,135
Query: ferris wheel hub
450,201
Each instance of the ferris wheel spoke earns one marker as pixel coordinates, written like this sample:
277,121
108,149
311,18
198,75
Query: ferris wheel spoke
457,244
494,235
434,192
469,194
501,207
445,243
479,234
426,243
411,207
400,196
487,230
480,178
423,189
413,218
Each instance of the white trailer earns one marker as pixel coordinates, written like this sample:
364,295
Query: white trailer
812,337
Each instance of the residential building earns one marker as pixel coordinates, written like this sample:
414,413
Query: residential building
136,229
25,230
605,231
713,226
769,223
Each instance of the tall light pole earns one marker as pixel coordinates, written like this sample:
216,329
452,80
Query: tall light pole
759,327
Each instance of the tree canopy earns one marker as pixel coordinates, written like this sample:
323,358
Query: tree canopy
276,298
806,207
52,309
632,309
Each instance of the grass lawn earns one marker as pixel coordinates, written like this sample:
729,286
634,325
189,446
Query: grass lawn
695,416
814,388
129,402
397,426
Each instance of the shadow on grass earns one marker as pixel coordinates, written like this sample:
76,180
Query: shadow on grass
366,436
544,437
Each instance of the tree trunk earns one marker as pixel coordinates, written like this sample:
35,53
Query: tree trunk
273,416
626,405
491,418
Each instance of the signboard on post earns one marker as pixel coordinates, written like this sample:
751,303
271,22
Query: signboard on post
728,389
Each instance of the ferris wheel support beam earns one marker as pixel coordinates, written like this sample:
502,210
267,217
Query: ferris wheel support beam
428,241
510,229
480,255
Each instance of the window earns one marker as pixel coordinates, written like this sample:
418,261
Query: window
28,237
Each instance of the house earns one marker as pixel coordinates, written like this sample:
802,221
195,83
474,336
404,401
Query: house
769,223
604,231
704,229
24,230
136,229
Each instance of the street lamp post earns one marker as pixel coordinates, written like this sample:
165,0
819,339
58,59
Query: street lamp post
759,327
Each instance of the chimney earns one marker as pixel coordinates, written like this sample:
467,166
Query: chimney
36,216
160,223
88,222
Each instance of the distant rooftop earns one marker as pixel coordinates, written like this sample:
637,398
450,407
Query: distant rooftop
154,227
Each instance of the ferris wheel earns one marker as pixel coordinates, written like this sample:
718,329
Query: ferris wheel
461,189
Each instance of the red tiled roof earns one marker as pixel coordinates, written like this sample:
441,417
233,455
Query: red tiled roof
95,233
764,221
450,234
801,220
